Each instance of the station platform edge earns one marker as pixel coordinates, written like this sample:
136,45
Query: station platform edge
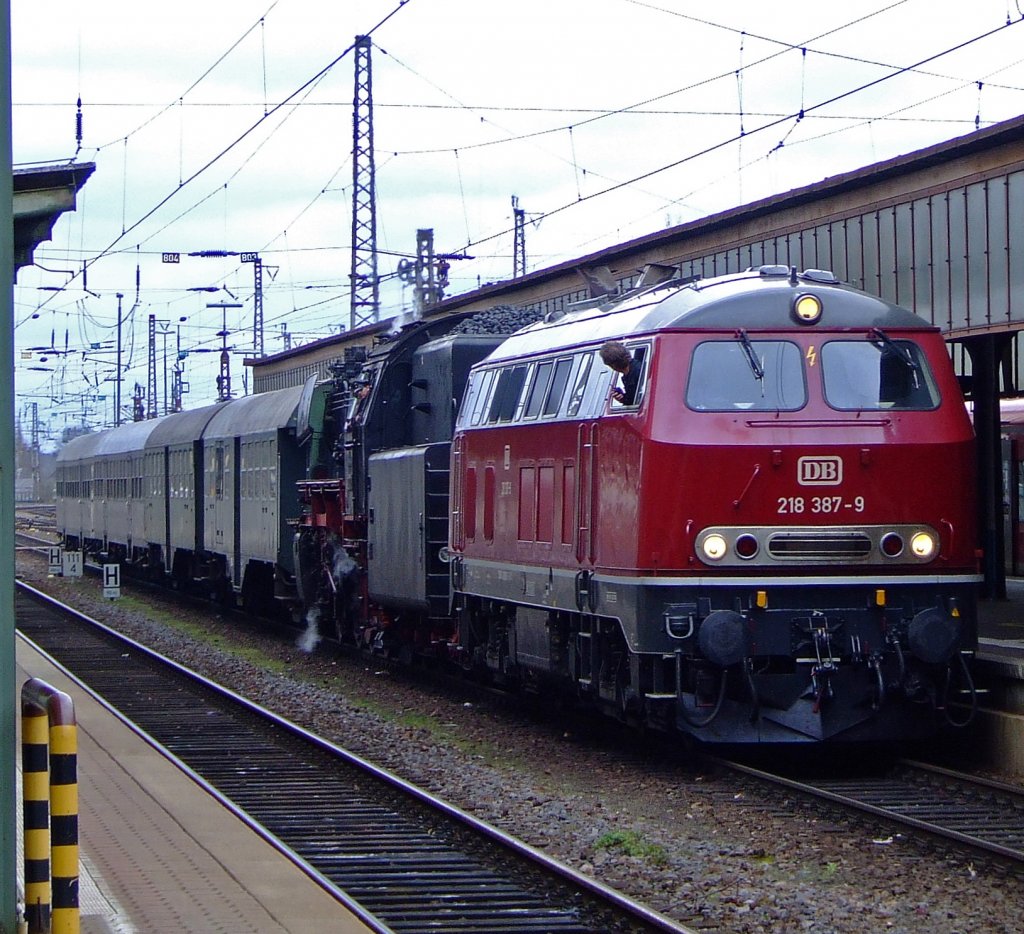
160,854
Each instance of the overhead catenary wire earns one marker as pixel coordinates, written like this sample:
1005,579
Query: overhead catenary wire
766,126
575,163
198,81
245,134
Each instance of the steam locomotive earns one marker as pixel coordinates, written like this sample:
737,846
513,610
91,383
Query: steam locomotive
770,538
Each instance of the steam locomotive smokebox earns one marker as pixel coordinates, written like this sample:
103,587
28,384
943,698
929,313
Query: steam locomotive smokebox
408,528
440,370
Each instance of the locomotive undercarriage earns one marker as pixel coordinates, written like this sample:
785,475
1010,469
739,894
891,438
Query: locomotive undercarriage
717,666
845,693
720,664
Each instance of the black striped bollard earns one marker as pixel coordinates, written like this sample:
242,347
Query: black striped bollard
49,752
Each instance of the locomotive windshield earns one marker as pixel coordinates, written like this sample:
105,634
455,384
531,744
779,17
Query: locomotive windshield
746,374
879,373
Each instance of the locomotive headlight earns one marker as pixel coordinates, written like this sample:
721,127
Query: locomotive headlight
807,309
714,547
923,544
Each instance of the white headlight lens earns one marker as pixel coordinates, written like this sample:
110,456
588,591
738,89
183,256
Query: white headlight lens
922,544
807,308
714,547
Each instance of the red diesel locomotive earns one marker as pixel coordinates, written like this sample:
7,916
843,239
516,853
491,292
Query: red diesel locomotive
773,540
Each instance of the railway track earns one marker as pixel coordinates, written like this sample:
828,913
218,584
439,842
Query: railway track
409,861
36,516
969,811
34,541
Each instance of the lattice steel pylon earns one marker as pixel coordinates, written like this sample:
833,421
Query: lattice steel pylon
151,399
365,285
257,306
519,247
35,453
426,284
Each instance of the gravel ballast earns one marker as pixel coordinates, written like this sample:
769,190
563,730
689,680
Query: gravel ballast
709,849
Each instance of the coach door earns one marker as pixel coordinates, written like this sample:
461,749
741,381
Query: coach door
219,519
234,499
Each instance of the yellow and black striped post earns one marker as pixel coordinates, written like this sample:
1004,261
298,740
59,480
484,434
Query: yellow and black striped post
50,781
35,779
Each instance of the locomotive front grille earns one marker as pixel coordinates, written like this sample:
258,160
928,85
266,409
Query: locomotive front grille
820,545
757,546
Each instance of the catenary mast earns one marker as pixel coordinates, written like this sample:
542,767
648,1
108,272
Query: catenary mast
365,307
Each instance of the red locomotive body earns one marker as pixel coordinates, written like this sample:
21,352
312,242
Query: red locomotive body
773,540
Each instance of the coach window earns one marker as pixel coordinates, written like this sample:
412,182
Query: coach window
877,374
746,375
218,472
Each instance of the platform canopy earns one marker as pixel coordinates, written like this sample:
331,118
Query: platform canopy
41,194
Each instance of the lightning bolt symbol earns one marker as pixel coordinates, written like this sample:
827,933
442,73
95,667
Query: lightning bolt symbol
811,355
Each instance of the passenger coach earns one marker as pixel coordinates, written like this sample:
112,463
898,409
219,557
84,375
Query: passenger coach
203,498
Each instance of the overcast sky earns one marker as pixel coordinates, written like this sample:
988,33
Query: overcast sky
228,126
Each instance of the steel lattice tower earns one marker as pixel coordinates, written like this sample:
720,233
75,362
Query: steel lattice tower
426,284
365,285
519,247
151,400
35,453
257,308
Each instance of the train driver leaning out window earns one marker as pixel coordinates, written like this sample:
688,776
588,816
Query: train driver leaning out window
617,357
360,393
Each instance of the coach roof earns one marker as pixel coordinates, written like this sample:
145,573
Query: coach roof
123,440
250,415
183,427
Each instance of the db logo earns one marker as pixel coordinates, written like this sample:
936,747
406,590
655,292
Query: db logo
819,471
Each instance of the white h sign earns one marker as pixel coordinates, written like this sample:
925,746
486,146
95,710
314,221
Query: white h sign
111,581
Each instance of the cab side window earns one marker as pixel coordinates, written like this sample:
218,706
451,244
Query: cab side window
632,383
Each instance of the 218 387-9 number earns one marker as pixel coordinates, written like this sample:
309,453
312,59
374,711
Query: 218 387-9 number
818,505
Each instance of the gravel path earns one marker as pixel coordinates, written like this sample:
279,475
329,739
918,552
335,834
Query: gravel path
712,851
